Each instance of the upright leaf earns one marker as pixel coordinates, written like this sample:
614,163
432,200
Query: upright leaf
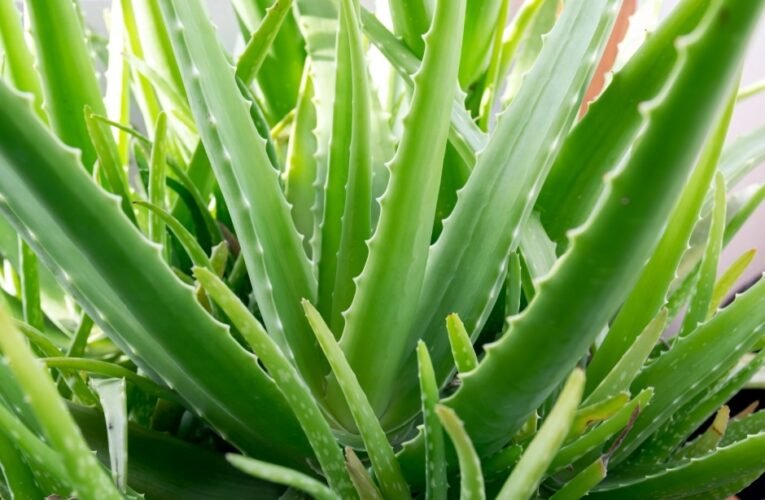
398,251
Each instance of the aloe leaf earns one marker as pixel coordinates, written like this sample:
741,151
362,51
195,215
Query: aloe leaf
18,58
346,223
79,341
279,268
480,23
208,232
279,80
30,287
37,453
256,51
145,97
111,393
107,369
583,482
493,76
155,42
384,462
398,251
743,206
68,78
536,248
18,476
109,162
533,40
675,387
86,475
301,163
694,413
513,286
364,485
503,461
598,142
702,295
117,98
465,136
739,429
465,358
471,475
708,441
319,26
650,292
728,279
593,414
163,466
500,193
517,31
196,253
288,380
152,304
536,459
435,454
599,290
282,475
626,369
597,437
157,175
741,459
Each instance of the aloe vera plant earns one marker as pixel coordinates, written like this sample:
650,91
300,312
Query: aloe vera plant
387,254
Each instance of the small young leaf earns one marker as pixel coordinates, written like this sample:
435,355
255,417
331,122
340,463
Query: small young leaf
282,475
462,347
537,457
471,480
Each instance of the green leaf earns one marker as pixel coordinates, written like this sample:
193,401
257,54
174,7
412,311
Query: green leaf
702,295
30,287
577,300
610,126
107,369
694,413
650,292
467,265
480,23
739,429
536,459
279,80
626,369
18,58
301,165
117,97
109,162
279,268
707,353
597,437
163,466
111,393
282,475
346,223
435,453
398,251
583,482
465,358
709,440
286,377
364,485
261,41
133,296
190,244
744,458
593,414
384,462
471,475
728,279
86,475
157,175
68,77
18,475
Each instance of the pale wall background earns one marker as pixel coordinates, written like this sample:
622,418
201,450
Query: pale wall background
748,116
